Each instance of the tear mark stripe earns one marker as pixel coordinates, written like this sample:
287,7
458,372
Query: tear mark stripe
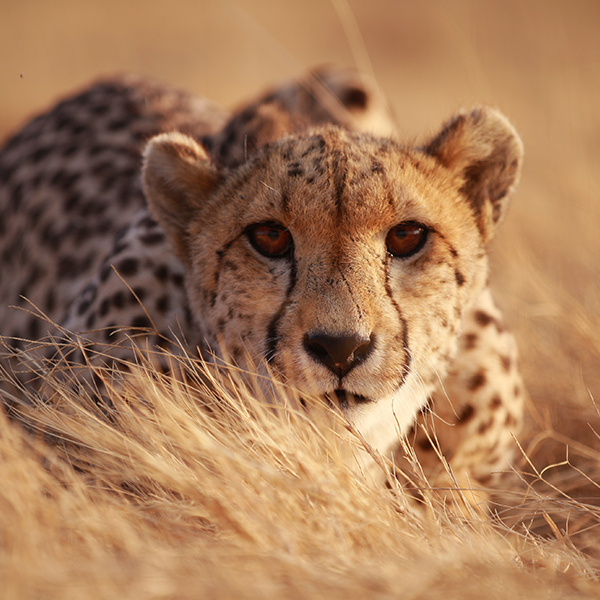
407,352
273,336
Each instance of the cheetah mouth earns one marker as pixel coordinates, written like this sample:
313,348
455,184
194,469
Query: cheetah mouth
341,399
345,399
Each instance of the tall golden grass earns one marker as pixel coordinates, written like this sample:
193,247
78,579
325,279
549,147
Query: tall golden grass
169,500
203,487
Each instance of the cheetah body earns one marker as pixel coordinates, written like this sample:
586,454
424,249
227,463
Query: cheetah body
338,315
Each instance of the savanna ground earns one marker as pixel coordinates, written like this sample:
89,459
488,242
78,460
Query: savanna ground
174,504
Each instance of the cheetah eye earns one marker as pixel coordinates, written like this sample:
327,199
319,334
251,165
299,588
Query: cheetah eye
406,239
270,239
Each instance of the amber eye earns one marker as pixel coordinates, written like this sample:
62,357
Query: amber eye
406,239
270,239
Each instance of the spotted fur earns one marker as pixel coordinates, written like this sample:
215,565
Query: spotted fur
337,315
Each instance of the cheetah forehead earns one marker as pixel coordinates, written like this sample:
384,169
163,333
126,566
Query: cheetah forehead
335,178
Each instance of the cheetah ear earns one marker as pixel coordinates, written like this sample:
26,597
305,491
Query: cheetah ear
485,151
177,177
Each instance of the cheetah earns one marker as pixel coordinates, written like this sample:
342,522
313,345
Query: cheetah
296,234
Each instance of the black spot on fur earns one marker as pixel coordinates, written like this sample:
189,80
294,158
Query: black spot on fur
91,320
295,170
70,202
485,426
33,331
161,272
117,124
70,150
104,307
51,236
425,444
79,128
41,153
470,341
103,169
221,325
107,183
152,238
17,196
467,412
495,402
119,299
141,321
482,318
163,304
139,294
230,265
100,110
36,181
69,267
460,278
428,407
34,215
50,304
83,306
376,167
105,271
128,267
149,222
246,115
80,234
58,178
355,97
477,381
70,181
164,342
212,298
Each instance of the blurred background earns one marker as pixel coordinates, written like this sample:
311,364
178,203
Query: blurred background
538,61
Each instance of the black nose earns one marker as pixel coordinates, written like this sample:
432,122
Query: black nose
339,353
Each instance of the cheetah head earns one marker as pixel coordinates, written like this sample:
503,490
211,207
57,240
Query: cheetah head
342,262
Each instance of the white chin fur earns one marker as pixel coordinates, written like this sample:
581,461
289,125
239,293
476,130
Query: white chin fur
384,422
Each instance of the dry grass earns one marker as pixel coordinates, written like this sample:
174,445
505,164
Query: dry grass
171,501
209,489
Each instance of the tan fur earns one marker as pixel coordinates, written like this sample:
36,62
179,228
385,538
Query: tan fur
348,190
422,328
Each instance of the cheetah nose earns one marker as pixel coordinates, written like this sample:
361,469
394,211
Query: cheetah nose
339,353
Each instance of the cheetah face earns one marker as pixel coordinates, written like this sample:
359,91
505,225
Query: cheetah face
341,262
